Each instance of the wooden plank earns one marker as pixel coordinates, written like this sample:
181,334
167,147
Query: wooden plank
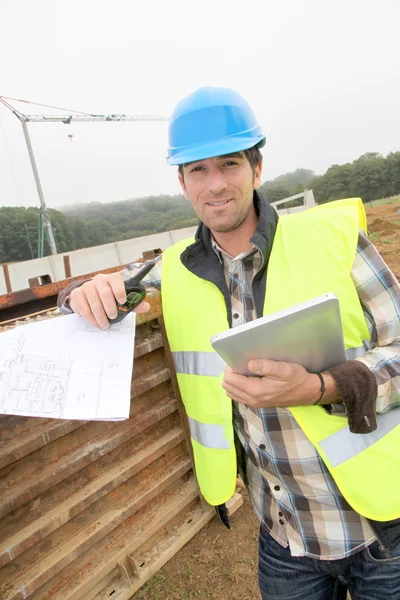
46,313
33,474
21,436
147,340
159,417
240,484
23,535
67,266
234,503
79,579
158,555
152,398
154,378
7,278
22,579
37,472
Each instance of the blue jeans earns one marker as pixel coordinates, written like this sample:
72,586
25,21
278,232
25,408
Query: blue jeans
368,575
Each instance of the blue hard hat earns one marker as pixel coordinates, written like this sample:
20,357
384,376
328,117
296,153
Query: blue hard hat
211,121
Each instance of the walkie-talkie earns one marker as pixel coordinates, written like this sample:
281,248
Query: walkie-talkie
135,291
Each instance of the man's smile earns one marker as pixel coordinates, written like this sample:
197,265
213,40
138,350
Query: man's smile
220,203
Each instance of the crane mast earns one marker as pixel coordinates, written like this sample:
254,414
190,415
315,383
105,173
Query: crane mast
45,222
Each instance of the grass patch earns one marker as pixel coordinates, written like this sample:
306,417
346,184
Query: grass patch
375,236
187,570
155,581
391,200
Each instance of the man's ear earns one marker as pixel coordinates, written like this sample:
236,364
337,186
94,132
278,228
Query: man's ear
257,176
183,186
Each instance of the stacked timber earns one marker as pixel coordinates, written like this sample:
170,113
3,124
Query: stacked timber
90,510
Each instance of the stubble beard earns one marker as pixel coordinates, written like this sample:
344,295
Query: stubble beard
239,221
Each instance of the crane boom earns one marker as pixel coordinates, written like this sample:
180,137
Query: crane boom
67,119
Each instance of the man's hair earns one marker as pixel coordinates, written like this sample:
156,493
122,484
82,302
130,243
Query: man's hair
253,155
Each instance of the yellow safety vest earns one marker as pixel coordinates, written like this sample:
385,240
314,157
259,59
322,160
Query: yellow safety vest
312,254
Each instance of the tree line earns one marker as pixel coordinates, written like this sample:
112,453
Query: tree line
371,176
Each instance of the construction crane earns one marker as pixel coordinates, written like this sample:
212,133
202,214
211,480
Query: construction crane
80,117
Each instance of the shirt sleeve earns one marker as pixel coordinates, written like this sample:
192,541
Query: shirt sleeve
379,294
152,279
63,296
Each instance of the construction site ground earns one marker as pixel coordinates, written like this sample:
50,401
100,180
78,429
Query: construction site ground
222,565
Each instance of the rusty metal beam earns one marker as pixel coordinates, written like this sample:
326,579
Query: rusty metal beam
45,291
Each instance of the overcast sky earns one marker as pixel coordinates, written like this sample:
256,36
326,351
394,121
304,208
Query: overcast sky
323,78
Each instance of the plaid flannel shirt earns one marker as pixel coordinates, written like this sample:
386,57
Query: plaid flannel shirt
292,492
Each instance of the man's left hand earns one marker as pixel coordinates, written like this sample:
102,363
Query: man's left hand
277,384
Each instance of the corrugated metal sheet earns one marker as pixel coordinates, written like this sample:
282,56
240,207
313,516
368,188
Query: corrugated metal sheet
93,509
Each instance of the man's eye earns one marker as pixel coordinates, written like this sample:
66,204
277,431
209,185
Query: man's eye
230,163
196,169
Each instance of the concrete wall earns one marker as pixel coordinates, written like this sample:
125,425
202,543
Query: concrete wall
21,272
96,258
88,260
308,202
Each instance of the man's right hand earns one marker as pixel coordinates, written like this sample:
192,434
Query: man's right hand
96,299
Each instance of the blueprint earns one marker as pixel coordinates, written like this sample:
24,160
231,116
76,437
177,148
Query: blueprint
64,368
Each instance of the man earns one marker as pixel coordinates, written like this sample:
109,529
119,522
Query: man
244,263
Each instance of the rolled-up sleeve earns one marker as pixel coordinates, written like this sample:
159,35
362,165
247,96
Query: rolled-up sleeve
379,294
63,296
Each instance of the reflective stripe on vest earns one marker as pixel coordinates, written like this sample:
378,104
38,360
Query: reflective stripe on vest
210,364
343,444
209,436
198,363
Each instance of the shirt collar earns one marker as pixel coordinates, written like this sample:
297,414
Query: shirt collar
225,256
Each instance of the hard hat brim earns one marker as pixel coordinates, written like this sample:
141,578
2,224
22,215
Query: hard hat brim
214,148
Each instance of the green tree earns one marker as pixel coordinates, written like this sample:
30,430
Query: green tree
368,177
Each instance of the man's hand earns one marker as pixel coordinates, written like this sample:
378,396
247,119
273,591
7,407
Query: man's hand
96,300
277,384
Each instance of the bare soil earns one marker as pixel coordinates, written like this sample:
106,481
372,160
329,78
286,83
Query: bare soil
222,565
384,231
217,563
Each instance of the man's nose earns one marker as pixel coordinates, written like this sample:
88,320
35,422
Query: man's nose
217,182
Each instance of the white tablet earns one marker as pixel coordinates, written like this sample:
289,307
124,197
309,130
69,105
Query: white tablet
309,333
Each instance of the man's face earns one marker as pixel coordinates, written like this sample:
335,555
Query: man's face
221,190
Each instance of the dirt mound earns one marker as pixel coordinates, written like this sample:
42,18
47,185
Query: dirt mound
382,226
384,210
